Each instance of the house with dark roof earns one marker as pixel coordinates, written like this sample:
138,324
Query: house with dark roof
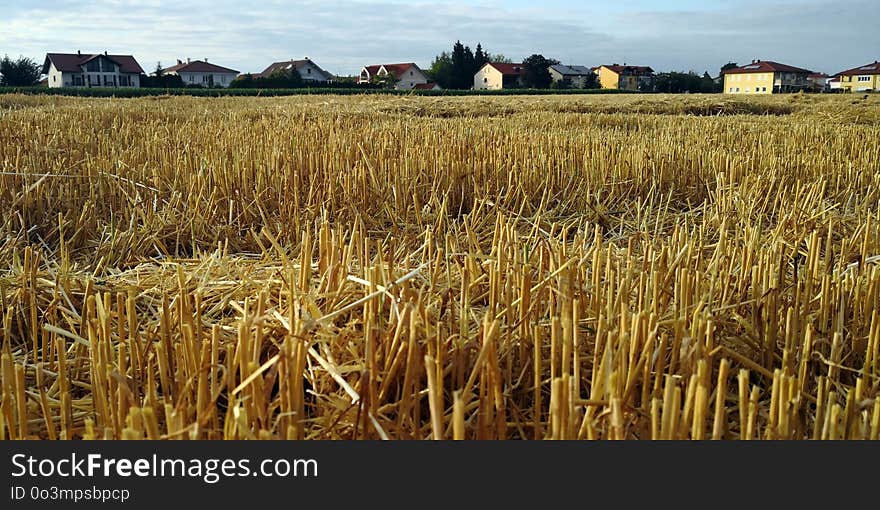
571,76
202,73
498,75
624,77
307,69
864,78
91,70
766,77
406,76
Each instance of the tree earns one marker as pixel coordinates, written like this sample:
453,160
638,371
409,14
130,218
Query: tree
481,58
384,81
499,58
462,66
22,72
441,70
537,74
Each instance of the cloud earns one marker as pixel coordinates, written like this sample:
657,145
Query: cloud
343,35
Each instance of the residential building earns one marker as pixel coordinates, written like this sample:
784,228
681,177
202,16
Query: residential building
202,73
834,84
497,76
624,77
818,82
91,70
572,76
307,69
766,77
406,75
861,79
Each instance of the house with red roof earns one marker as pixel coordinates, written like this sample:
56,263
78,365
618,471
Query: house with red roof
202,73
624,77
91,70
405,76
766,77
864,78
498,75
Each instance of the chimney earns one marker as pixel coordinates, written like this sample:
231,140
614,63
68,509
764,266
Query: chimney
206,59
78,53
187,60
179,61
105,52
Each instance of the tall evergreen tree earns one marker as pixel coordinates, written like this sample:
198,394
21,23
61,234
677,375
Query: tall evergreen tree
460,65
480,57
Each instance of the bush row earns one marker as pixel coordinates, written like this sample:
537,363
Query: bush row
145,92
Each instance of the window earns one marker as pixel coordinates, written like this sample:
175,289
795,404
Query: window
309,71
864,78
731,89
54,78
763,89
93,66
737,89
485,80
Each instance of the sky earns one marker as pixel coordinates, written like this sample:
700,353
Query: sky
343,35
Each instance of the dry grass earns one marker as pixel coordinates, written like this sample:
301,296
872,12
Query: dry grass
608,267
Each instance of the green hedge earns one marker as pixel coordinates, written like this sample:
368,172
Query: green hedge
145,92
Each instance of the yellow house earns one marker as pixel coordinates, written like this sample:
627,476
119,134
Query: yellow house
624,77
861,79
765,77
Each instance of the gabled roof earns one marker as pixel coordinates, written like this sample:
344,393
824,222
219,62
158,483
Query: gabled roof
71,62
862,70
572,70
766,66
398,70
198,66
372,70
638,70
425,86
508,69
290,65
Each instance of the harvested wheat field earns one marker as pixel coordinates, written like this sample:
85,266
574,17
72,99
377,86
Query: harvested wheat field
558,267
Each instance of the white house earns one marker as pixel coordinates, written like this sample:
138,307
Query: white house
408,75
91,70
202,73
573,76
496,76
307,69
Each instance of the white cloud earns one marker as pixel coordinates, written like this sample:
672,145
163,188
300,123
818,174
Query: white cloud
343,35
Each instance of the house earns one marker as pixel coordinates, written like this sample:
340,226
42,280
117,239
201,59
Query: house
624,77
406,76
91,70
202,73
818,82
572,76
497,76
427,86
766,77
307,69
834,84
861,79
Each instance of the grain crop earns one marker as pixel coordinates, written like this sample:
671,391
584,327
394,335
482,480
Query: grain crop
391,267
